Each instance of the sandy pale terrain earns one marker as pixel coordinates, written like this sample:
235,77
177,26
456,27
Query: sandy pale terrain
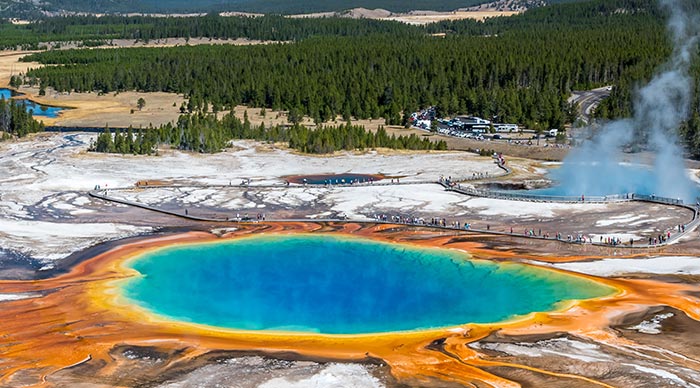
116,110
426,17
165,42
10,65
413,17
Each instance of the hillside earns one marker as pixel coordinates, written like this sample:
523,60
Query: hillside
33,9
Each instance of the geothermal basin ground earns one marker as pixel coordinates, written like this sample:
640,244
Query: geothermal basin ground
52,229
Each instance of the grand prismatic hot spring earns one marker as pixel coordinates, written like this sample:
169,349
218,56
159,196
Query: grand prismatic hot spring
358,293
340,285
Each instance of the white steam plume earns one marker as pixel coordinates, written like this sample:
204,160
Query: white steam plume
659,108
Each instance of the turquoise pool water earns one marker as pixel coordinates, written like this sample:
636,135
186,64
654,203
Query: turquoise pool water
340,285
37,110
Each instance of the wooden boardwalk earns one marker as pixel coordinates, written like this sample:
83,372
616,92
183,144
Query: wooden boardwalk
183,213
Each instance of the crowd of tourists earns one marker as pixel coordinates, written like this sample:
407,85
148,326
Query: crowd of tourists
578,238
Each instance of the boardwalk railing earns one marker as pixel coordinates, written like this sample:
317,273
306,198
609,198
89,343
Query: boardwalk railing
448,185
566,199
657,199
537,197
104,195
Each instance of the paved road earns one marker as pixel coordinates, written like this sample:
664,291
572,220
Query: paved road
588,100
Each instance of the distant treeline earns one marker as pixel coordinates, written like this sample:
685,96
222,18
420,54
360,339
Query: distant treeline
144,28
204,133
32,9
15,121
522,78
91,30
574,15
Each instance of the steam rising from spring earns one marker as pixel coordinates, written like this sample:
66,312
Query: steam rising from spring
659,108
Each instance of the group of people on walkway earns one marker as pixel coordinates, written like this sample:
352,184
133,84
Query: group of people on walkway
660,239
614,241
665,237
434,221
578,238
442,222
246,217
449,181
